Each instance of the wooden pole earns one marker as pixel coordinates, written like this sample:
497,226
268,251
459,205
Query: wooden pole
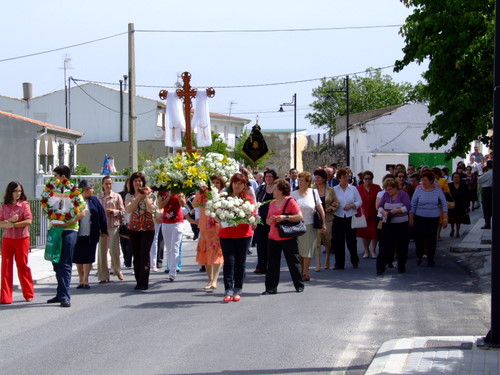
132,116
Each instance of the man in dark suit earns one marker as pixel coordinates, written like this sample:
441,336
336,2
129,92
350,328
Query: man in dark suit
293,179
330,176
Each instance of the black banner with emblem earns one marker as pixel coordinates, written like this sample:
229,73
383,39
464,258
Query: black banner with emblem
255,146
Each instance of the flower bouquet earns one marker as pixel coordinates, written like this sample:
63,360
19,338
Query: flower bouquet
231,211
178,173
215,163
61,200
186,172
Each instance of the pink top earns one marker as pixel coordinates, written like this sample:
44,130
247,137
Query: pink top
113,201
22,209
291,209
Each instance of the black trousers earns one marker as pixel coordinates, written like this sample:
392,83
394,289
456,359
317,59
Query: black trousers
234,251
291,251
261,233
342,233
487,200
426,234
393,237
141,245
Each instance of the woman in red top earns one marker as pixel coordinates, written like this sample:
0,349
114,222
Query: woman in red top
368,191
172,228
15,217
235,242
276,244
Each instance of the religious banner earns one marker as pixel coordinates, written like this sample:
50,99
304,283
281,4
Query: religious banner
201,120
255,146
175,123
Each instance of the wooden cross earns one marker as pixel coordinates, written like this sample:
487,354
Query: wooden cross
187,94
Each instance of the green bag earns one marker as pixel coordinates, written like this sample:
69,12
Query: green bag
53,247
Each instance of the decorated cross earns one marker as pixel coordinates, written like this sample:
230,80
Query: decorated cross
187,94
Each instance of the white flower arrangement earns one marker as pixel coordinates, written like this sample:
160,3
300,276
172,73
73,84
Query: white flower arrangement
214,163
231,211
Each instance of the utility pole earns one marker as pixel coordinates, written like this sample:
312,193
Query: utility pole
132,116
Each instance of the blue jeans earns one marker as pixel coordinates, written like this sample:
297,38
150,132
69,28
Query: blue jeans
64,267
234,251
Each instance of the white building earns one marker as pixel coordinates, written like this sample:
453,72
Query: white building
389,136
30,146
102,114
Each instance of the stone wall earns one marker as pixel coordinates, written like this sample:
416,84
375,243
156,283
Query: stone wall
324,155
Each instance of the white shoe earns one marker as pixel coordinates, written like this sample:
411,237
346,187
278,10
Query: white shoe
154,269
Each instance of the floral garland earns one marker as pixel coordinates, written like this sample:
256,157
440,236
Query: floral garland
53,188
231,211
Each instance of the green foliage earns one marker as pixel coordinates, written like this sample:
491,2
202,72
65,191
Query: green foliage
217,146
457,37
372,91
82,169
242,158
142,157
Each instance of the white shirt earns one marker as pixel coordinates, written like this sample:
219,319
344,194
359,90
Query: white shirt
306,204
348,196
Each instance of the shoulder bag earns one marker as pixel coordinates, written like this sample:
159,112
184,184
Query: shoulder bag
359,221
318,220
288,229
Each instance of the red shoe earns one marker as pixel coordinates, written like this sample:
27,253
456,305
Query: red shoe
236,298
227,299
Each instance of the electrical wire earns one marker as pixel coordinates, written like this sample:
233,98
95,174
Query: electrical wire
104,105
271,30
61,48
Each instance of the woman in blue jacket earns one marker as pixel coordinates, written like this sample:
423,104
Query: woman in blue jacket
92,227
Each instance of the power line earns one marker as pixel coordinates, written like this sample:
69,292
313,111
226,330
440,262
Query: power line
247,85
204,32
61,48
271,30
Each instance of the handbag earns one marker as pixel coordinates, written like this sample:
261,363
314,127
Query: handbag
358,221
289,229
318,220
53,246
450,204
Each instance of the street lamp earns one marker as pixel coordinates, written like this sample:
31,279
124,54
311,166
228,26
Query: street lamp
347,138
294,104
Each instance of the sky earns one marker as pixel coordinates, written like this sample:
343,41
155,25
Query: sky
250,71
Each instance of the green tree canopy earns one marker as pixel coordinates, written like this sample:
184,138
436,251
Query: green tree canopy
368,92
457,37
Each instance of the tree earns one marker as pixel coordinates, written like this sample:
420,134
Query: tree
457,37
372,91
242,158
217,144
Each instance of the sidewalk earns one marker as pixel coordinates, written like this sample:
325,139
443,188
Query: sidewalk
455,355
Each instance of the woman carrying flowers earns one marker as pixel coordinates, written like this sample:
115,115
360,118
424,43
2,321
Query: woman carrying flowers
140,204
235,241
209,251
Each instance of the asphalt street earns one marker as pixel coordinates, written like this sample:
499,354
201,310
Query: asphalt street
336,326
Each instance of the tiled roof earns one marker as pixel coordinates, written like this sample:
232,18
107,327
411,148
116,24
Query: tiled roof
42,124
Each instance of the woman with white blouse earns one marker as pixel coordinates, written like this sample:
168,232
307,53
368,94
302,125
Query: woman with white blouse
350,201
308,200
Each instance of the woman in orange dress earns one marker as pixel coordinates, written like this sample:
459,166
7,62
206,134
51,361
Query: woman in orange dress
368,191
209,251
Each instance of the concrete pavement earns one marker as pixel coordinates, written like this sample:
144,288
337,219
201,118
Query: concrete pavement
413,355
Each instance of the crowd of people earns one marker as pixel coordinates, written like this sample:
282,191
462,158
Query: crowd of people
410,204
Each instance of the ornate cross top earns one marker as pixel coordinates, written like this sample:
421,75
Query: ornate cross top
187,94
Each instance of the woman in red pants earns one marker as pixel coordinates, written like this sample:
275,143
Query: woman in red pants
15,217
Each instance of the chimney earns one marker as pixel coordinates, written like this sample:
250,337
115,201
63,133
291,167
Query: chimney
27,90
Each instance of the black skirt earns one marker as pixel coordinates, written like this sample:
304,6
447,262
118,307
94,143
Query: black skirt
85,250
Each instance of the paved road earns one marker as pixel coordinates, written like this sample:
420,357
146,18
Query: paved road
335,326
